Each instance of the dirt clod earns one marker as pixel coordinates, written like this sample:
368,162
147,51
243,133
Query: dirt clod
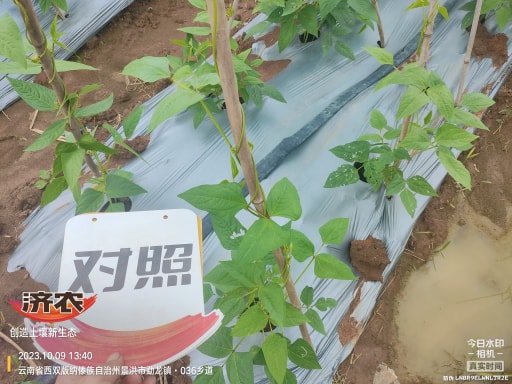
488,45
369,257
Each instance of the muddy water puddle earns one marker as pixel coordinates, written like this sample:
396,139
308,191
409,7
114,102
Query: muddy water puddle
463,295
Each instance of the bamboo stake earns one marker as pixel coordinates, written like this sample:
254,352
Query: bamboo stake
469,50
424,53
427,35
379,24
224,63
38,39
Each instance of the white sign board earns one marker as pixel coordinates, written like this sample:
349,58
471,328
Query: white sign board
146,270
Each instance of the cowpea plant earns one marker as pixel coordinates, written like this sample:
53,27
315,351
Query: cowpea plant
502,9
378,156
75,143
308,19
255,287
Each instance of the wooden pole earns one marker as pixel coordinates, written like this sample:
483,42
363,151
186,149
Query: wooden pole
469,50
224,63
38,39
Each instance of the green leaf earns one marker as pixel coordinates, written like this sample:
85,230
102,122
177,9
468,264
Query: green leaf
466,118
308,19
306,296
283,200
377,119
503,16
35,95
301,246
334,230
199,116
401,154
325,303
476,102
272,297
326,41
411,102
287,33
392,134
225,199
148,68
201,4
444,12
364,8
344,175
205,80
315,321
66,66
273,93
182,72
44,174
300,353
231,305
90,201
88,142
329,267
411,74
454,167
53,190
96,108
49,136
371,137
291,6
418,4
220,275
228,229
263,236
199,31
11,43
131,121
239,368
289,377
275,350
373,171
326,6
172,104
467,20
395,182
409,201
13,68
118,186
344,49
257,29
420,185
253,320
118,139
89,88
219,345
72,163
442,97
416,138
217,377
293,316
451,135
354,151
382,55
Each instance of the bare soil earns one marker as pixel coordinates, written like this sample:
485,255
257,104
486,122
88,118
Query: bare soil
126,38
